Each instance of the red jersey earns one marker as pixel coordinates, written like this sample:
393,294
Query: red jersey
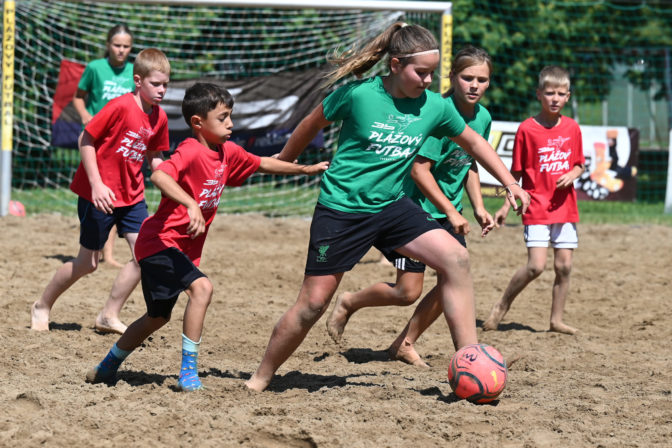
122,134
543,155
203,174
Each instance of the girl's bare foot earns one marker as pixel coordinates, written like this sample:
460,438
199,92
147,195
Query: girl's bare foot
406,352
338,318
39,318
560,327
109,325
496,315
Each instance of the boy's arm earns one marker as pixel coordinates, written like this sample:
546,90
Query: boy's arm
424,179
481,150
473,187
79,103
172,190
101,195
568,179
154,159
304,133
272,165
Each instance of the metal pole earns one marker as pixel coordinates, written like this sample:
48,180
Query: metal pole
7,108
446,36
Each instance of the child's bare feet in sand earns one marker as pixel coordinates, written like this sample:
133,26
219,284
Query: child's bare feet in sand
109,325
560,327
496,315
405,352
111,262
39,318
255,384
339,317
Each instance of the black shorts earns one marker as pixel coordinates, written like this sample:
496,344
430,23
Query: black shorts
94,225
412,265
164,276
338,240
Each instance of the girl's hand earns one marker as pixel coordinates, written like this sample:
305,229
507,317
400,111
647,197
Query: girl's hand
459,223
103,198
564,181
485,220
515,191
500,215
196,225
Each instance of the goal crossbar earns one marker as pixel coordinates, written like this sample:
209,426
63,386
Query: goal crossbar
367,5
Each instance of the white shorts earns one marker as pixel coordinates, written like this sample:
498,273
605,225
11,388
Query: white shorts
561,236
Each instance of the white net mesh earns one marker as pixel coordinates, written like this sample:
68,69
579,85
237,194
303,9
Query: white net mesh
214,42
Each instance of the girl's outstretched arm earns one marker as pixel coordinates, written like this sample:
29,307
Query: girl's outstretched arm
304,133
480,149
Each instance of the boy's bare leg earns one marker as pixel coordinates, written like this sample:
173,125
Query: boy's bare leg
314,297
108,250
128,278
536,261
403,348
200,295
66,275
563,267
404,292
440,251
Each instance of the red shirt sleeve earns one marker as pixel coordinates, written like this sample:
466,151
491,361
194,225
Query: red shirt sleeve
241,164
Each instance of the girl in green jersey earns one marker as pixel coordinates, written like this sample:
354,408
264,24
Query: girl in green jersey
442,171
385,120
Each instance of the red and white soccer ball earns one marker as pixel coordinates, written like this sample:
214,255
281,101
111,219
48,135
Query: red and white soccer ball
477,373
16,208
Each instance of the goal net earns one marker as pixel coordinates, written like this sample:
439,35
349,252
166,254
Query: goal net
250,50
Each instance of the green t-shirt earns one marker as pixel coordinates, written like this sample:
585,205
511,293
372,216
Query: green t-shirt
379,138
104,82
451,162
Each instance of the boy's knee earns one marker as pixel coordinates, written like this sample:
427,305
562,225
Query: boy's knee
201,291
535,270
563,269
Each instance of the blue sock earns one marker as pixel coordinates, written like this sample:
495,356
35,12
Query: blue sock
189,380
106,371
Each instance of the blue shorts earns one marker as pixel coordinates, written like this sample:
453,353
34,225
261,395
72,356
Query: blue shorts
94,225
164,276
338,240
412,265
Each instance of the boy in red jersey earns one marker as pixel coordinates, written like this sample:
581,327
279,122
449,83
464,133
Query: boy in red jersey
110,185
548,155
170,242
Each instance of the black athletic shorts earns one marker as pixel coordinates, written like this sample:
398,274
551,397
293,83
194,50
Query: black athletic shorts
412,265
164,276
95,225
338,240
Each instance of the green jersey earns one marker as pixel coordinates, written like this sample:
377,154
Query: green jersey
104,82
379,138
451,162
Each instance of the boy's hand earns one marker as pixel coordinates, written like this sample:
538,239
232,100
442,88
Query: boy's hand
564,181
485,220
196,225
103,198
459,223
317,168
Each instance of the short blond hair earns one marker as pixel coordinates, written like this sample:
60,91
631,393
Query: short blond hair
150,59
555,76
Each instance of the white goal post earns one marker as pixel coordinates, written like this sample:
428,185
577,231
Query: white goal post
38,36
